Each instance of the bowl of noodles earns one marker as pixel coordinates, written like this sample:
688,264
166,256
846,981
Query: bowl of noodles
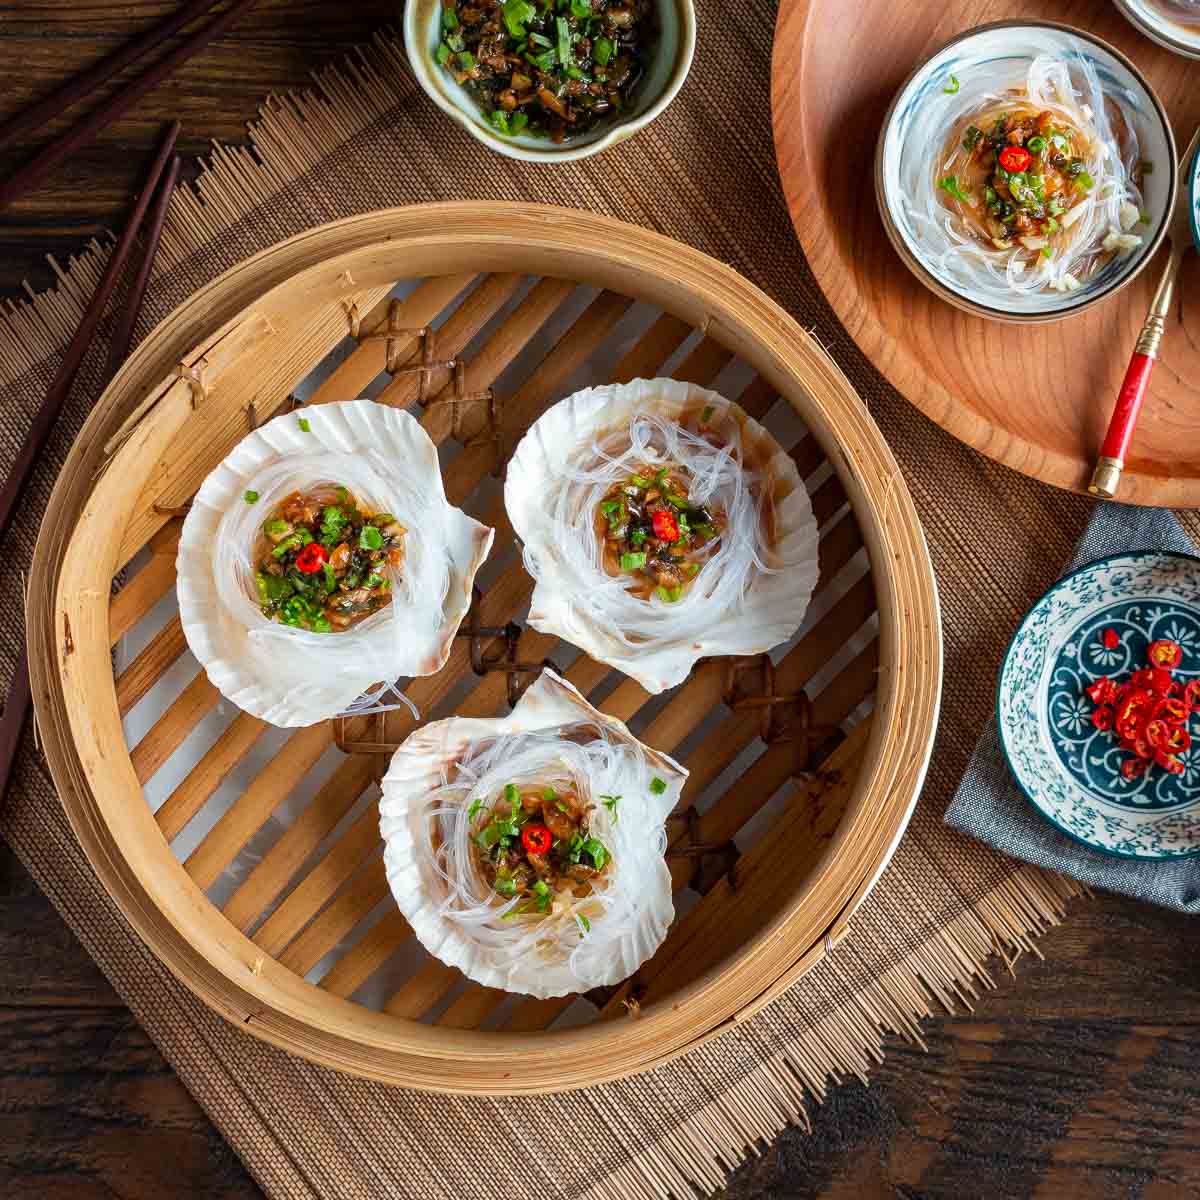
1026,171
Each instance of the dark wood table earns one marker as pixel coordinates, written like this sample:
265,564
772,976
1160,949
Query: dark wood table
1076,1079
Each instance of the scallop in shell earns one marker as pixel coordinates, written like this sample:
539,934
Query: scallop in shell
661,524
295,676
595,905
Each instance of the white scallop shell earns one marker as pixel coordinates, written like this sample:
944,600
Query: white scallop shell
744,610
433,772
289,676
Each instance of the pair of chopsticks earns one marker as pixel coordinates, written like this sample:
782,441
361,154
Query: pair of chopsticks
29,176
149,211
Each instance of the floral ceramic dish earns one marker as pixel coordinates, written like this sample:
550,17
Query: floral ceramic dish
1099,623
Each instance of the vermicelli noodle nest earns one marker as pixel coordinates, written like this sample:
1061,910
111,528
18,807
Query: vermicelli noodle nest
743,591
295,676
1100,226
586,936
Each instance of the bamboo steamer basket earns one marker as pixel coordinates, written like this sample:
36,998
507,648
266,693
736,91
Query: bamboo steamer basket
526,300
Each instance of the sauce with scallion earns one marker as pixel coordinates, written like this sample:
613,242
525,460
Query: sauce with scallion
532,843
322,562
548,68
652,532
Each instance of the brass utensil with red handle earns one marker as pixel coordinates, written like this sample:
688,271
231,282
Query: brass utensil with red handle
1107,474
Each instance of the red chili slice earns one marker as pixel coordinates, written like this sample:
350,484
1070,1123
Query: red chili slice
1170,763
1015,158
312,558
1157,732
1102,717
1191,693
1165,653
666,528
536,839
1171,709
1134,708
1103,691
1111,639
1131,768
1177,740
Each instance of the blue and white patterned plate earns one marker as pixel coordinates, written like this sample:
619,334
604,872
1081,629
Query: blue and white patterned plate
1069,769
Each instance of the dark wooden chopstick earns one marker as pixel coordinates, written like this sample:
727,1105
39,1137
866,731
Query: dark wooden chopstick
86,82
118,347
37,168
51,406
161,180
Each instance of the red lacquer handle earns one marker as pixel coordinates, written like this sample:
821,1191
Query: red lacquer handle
1129,404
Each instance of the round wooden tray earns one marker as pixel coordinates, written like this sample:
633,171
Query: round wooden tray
249,858
1036,398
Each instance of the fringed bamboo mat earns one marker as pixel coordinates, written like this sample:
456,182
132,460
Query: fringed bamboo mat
705,174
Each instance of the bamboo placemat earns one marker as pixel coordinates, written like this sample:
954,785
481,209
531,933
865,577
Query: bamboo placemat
705,174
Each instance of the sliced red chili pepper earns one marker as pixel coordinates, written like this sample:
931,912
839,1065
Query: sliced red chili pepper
536,839
1103,691
1161,683
1165,653
1191,693
1156,734
1102,717
1015,158
312,558
1178,739
1171,709
1134,708
1131,768
666,528
1170,763
1111,639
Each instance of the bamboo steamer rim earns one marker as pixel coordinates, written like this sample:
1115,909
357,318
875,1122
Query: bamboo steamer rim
75,692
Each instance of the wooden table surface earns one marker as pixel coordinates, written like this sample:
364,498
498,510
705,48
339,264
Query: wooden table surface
1076,1079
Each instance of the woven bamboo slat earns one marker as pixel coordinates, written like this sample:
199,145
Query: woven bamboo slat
249,858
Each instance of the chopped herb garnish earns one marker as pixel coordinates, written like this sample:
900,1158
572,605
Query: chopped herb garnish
633,562
251,497
584,922
707,414
511,795
473,811
658,786
952,87
950,184
370,538
602,51
1035,145
971,137
669,594
610,802
304,426
449,18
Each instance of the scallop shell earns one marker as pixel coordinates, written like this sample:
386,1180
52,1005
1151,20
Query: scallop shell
653,644
639,907
292,677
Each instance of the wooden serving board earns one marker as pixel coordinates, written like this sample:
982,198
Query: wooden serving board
1036,398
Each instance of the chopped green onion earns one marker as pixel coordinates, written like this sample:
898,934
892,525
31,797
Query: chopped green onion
511,794
275,527
442,54
971,137
1144,218
637,537
950,184
564,40
610,802
499,119
673,498
466,60
951,89
506,886
584,922
639,481
633,562
707,414
473,811
1035,145
330,578
540,39
449,18
581,9
304,426
575,73
596,851
1047,252
658,786
251,497
370,538
602,50
1084,182
1059,142
670,595
516,13
517,122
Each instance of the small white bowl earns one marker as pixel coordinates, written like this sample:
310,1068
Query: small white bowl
1174,24
672,61
986,48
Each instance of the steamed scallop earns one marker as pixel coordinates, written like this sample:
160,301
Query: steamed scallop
322,559
661,524
527,851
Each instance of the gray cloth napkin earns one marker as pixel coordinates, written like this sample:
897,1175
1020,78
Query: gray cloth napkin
988,804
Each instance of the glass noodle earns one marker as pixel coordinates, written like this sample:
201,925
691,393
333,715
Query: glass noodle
1093,231
720,480
581,941
419,585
